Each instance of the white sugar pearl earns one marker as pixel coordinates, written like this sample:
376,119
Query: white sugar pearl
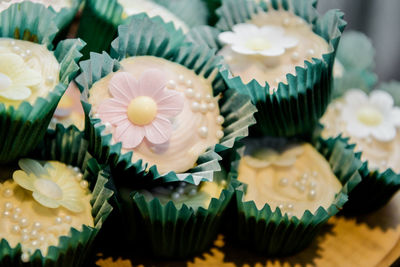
211,106
79,177
315,173
84,184
280,206
189,83
41,238
37,225
50,80
6,214
76,169
8,193
198,96
35,243
195,106
171,84
220,120
203,108
203,131
284,181
17,210
24,231
175,195
15,229
24,222
289,214
189,93
310,52
312,194
16,48
313,184
181,78
220,134
15,217
295,56
286,22
68,219
34,233
25,238
28,52
302,188
12,42
290,206
193,192
25,257
180,190
58,220
208,98
8,206
23,55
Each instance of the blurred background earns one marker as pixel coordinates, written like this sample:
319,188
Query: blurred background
380,21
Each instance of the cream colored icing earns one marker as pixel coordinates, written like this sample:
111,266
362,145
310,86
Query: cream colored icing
261,69
132,7
188,194
380,155
187,141
57,5
38,58
53,223
306,184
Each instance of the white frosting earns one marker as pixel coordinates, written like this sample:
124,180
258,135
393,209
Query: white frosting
132,7
380,155
193,130
57,5
38,58
295,185
274,70
23,220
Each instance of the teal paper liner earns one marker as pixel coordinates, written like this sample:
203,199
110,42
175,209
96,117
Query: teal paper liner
69,147
147,37
27,124
297,105
64,18
275,234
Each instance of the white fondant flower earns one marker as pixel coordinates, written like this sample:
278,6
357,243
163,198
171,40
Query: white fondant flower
266,157
374,115
16,77
249,39
53,185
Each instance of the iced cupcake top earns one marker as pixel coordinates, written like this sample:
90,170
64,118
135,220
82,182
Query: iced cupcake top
27,71
42,203
133,7
371,122
294,178
57,5
163,112
269,46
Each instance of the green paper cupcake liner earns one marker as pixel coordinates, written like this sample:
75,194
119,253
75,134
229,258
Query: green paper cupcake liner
298,104
27,124
212,6
100,20
147,37
356,55
169,231
275,234
64,18
69,147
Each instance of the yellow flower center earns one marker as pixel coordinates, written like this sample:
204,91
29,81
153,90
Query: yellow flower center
257,44
369,116
142,110
48,189
5,81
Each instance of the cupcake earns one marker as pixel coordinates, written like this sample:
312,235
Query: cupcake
354,64
371,122
65,11
33,76
54,204
291,189
100,19
281,54
178,219
161,110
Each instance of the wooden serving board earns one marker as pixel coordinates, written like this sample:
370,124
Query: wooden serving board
371,240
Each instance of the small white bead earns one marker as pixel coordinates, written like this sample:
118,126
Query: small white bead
180,190
203,108
290,206
208,98
211,106
12,43
25,231
189,83
34,233
305,176
23,222
198,96
193,192
195,106
84,184
289,214
284,181
315,173
68,219
76,169
220,120
312,194
189,92
8,206
25,257
16,229
35,243
23,55
58,220
17,210
310,52
203,131
220,134
41,238
181,78
6,214
50,80
295,56
280,206
302,188
16,48
37,225
313,184
8,193
182,184
15,217
25,237
28,52
175,195
296,184
79,177
286,22
171,84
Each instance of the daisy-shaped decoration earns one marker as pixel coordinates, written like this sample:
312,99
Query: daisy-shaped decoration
248,39
141,109
16,78
53,185
374,115
268,156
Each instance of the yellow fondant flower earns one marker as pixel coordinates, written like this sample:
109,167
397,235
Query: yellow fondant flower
16,78
53,185
266,157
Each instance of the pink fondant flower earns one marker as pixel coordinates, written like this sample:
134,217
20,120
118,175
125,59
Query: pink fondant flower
140,109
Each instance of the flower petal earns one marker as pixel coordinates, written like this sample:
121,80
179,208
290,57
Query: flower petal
15,92
245,29
124,87
289,42
129,134
31,166
159,131
229,38
113,111
385,132
27,77
152,82
273,51
240,49
11,64
170,103
272,32
381,99
358,130
74,205
24,180
356,97
394,116
45,201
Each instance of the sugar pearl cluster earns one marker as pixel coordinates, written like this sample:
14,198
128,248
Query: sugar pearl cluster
31,234
176,191
201,102
79,177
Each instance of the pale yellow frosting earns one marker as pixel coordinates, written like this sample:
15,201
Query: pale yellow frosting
380,155
43,226
132,7
257,67
193,130
38,58
57,5
305,182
